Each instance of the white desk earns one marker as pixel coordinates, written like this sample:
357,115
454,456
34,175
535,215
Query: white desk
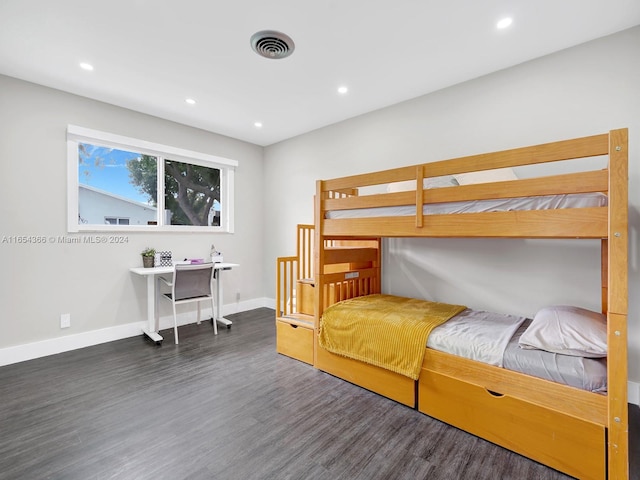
152,298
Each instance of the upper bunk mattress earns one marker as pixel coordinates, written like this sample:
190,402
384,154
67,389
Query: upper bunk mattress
545,202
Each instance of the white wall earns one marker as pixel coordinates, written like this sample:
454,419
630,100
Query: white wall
585,90
92,282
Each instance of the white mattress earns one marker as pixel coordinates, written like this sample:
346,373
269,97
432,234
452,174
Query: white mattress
477,335
545,202
493,338
586,373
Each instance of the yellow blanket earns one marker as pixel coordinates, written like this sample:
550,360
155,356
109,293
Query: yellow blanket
383,330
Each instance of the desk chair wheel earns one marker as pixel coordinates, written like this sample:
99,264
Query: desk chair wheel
159,343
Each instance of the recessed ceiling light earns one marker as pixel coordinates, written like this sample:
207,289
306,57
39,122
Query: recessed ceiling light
86,66
190,101
504,23
258,124
342,90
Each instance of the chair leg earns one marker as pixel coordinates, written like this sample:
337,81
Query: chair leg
213,318
175,323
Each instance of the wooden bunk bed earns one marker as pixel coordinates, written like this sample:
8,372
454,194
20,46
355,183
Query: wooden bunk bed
581,433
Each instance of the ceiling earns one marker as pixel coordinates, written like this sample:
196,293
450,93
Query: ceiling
151,55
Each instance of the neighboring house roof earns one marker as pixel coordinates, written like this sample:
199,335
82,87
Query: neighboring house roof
117,197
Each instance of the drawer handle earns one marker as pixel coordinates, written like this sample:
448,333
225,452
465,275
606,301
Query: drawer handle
494,394
293,326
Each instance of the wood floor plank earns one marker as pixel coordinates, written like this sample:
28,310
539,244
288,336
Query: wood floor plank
226,407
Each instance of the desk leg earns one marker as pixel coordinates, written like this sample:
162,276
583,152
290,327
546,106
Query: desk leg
219,318
152,311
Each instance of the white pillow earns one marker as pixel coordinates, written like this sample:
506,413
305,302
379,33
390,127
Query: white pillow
431,182
401,186
567,330
438,182
486,176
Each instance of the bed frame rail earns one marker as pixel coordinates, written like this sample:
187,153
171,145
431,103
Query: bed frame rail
343,194
293,273
286,280
585,147
350,268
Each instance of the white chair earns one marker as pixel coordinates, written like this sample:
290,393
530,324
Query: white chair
191,283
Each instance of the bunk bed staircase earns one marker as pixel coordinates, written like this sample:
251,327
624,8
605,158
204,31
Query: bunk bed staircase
295,286
294,299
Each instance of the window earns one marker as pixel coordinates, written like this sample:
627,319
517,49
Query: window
114,183
191,194
117,221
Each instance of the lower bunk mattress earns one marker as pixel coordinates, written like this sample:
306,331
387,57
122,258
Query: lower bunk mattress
487,337
471,334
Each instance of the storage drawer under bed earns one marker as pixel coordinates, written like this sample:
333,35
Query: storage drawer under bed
295,341
561,441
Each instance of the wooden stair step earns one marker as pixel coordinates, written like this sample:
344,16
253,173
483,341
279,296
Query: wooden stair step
299,319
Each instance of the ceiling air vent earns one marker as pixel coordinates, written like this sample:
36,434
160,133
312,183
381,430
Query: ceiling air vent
272,44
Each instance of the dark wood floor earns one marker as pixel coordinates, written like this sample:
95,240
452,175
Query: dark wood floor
226,407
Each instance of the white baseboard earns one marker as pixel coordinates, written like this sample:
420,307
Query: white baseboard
30,351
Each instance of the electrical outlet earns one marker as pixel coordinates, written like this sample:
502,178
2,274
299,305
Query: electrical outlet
65,320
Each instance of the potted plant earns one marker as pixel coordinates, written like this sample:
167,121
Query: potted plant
148,255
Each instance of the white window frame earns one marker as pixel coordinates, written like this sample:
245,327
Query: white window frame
77,135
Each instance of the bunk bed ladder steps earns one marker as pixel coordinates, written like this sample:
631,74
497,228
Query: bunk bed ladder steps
352,266
294,299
